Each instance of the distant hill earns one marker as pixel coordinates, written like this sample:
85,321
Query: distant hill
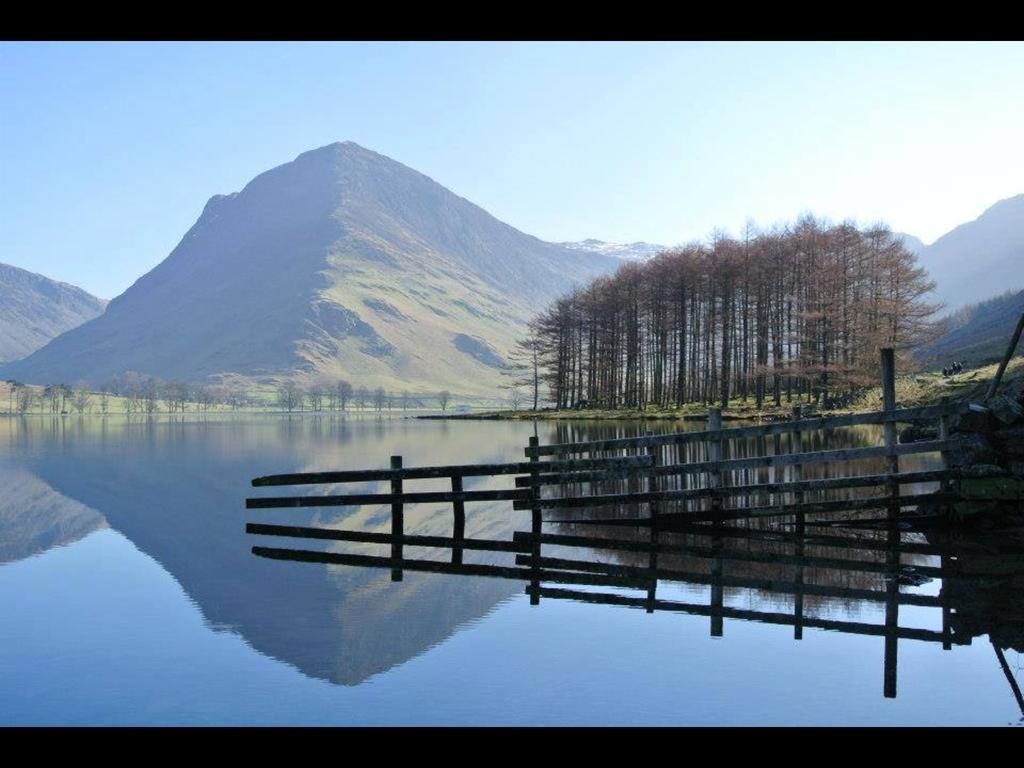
981,258
977,334
341,263
35,309
639,251
911,243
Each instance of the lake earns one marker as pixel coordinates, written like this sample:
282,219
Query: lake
131,596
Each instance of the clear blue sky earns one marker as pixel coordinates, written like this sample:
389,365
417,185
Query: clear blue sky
108,152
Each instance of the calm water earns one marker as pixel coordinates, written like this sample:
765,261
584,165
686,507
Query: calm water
130,595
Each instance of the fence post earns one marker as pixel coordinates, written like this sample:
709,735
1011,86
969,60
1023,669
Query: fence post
798,447
944,435
715,454
652,558
536,521
798,498
397,519
652,479
892,608
889,405
1006,359
717,592
947,614
652,565
459,524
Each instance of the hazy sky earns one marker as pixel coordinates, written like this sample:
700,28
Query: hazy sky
108,152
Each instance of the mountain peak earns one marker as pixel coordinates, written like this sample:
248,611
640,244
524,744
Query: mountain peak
981,258
1013,204
342,263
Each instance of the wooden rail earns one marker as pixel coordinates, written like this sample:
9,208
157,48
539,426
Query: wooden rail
712,475
905,415
878,558
583,475
447,471
648,470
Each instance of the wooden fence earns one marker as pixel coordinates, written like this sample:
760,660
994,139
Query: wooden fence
569,577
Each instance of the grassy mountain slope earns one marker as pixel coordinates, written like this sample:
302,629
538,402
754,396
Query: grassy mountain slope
340,263
976,334
35,309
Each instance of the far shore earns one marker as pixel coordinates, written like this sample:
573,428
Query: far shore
912,390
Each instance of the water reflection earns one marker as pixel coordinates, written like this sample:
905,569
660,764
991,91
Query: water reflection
175,489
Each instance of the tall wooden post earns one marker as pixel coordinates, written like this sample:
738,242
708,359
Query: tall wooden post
715,454
1006,359
944,435
459,524
889,405
536,520
652,479
652,565
892,608
798,447
397,519
947,614
717,593
798,498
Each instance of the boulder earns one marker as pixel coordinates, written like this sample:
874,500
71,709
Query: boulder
1005,409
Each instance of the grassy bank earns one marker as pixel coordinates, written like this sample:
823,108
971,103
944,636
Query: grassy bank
912,390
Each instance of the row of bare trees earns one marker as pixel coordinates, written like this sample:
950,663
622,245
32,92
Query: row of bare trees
798,312
339,395
134,393
138,393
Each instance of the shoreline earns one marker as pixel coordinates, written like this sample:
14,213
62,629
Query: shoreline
912,390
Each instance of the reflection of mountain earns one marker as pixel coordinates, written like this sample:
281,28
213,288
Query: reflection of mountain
35,518
177,490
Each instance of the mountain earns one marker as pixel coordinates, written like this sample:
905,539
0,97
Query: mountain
981,258
638,251
341,263
977,334
35,309
911,243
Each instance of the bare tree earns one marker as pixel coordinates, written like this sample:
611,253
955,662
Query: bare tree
515,397
129,384
150,392
442,399
361,396
289,397
343,393
82,397
523,367
12,393
798,312
51,397
25,399
315,396
379,396
175,395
